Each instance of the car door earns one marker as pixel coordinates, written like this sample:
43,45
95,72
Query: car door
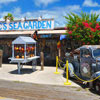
85,63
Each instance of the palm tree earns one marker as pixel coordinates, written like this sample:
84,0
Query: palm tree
9,16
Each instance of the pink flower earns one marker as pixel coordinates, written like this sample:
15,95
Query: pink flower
76,25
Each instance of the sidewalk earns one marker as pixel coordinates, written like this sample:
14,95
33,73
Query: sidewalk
3,98
9,72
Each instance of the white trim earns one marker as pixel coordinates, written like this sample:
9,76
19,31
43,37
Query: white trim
31,32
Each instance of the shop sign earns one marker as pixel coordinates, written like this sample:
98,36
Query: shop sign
28,25
45,36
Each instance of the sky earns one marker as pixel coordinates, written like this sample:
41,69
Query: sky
56,9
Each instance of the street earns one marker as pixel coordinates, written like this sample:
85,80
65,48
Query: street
28,91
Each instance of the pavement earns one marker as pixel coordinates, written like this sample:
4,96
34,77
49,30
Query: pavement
47,76
4,98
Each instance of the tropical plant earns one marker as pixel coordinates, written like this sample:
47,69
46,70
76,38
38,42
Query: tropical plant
83,28
9,16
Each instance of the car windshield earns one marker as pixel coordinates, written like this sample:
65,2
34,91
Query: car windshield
96,53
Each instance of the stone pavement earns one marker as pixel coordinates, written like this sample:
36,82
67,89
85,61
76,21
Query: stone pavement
9,72
4,98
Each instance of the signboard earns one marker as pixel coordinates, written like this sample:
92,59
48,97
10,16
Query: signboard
27,25
46,36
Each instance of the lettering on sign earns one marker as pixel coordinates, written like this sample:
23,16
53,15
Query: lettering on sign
28,25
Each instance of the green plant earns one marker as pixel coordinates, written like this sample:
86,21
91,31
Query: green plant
9,16
83,28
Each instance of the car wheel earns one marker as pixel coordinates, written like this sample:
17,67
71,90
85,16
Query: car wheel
97,86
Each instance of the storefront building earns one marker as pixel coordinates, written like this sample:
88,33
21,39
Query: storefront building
47,37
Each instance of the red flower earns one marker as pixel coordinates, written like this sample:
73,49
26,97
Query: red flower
78,36
88,43
97,24
70,32
90,23
83,43
65,28
76,25
98,33
86,21
91,36
70,36
93,30
86,24
97,27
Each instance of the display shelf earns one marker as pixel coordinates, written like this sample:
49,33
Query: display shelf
23,51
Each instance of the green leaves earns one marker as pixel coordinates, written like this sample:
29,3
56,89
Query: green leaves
9,16
85,27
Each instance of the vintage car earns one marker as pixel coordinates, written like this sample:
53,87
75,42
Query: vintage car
85,63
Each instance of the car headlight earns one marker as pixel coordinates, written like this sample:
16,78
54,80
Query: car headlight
93,64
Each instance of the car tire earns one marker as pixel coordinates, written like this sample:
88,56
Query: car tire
97,86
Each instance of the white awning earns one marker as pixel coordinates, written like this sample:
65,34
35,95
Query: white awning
24,40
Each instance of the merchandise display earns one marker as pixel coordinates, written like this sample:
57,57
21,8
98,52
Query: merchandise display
24,51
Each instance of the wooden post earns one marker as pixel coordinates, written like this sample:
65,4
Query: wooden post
24,51
1,53
42,60
59,53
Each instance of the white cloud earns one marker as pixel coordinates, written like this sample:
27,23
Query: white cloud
90,3
97,12
57,13
16,11
44,2
6,1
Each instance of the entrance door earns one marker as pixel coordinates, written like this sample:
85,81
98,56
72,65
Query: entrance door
85,63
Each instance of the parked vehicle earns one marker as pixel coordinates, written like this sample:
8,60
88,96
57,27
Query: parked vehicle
85,63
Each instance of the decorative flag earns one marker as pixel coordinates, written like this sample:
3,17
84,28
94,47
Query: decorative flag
35,36
58,44
62,37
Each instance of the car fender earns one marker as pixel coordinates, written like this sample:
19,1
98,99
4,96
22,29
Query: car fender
96,74
71,69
